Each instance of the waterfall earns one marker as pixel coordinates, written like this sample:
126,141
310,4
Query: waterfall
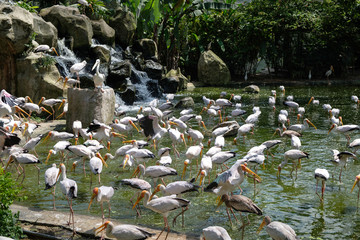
146,88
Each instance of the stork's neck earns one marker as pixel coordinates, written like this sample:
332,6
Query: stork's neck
163,189
146,199
142,169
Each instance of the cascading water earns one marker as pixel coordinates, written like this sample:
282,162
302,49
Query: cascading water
146,88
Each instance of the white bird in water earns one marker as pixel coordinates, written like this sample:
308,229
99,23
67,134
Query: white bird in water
323,175
345,129
295,155
123,231
163,205
278,230
215,233
50,180
102,194
69,189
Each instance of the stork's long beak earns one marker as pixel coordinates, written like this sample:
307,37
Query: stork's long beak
62,103
184,170
47,137
41,99
48,157
138,200
219,204
91,200
356,181
62,114
8,163
73,166
21,110
14,127
137,170
332,127
308,121
155,191
126,160
29,99
55,51
311,99
132,124
60,78
26,127
246,169
341,121
101,228
201,178
183,138
102,160
261,226
65,81
203,124
45,110
57,177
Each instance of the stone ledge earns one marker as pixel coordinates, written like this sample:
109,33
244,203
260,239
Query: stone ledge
85,225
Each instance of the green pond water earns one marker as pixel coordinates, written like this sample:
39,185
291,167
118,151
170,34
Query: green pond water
286,200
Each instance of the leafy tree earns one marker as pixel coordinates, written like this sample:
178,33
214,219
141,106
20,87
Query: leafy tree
8,194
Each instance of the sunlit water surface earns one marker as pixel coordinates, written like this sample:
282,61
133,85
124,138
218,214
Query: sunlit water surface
286,200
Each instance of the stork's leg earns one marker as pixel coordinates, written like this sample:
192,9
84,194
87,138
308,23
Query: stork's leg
102,212
340,174
38,173
227,211
36,153
99,179
232,211
90,180
53,193
73,218
84,167
53,111
182,213
162,180
23,176
322,190
165,225
109,208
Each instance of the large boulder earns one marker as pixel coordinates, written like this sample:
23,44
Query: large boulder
118,74
70,22
173,81
252,89
153,69
103,32
212,70
186,102
16,29
37,80
86,105
148,48
46,32
101,53
124,23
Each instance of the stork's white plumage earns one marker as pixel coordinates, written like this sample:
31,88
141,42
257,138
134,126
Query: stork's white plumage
163,205
98,78
102,194
322,175
345,129
69,189
45,49
76,126
51,179
302,127
215,233
24,158
355,145
77,67
58,147
222,157
124,231
165,158
294,155
244,130
278,230
154,172
229,180
357,179
205,167
96,165
291,104
59,136
177,188
272,102
295,142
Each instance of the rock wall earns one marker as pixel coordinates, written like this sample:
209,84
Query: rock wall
86,105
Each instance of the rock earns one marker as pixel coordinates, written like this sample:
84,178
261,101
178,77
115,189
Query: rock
86,105
118,74
102,53
153,69
129,95
252,89
124,24
173,81
148,48
86,80
16,27
185,102
103,32
153,88
70,22
46,32
212,70
36,81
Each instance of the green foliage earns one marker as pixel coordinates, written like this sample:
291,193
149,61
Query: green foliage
45,61
28,5
8,194
95,10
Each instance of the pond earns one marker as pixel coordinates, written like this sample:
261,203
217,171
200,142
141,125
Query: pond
284,199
